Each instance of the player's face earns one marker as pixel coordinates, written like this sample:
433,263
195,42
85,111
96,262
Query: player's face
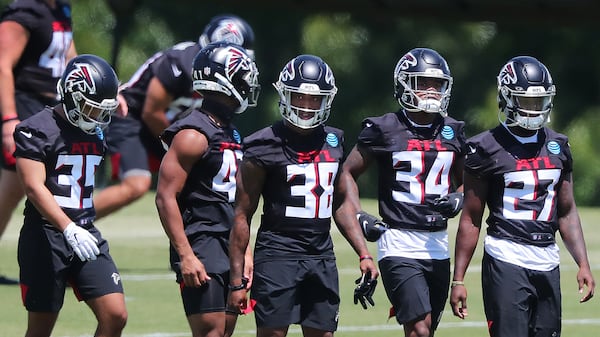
427,85
305,103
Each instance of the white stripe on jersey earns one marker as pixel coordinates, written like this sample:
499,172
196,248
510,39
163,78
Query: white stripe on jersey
526,256
414,244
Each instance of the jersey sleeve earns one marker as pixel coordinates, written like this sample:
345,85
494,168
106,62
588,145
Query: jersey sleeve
30,143
371,136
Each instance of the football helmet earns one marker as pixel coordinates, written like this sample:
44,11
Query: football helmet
422,82
229,28
525,93
310,75
88,91
226,68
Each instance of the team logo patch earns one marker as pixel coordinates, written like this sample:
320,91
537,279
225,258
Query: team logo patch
407,61
553,147
99,133
447,132
332,140
237,136
116,278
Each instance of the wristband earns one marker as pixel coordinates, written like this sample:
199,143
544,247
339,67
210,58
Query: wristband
10,118
239,287
365,257
457,283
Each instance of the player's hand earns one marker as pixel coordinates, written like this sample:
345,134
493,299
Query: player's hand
193,272
372,227
364,290
458,301
449,205
84,244
585,278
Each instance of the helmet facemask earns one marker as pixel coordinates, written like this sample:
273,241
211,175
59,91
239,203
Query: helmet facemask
528,109
296,115
416,97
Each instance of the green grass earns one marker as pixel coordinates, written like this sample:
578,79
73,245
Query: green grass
139,247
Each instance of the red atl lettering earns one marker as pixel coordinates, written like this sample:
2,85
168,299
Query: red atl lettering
315,156
85,148
229,146
534,163
425,145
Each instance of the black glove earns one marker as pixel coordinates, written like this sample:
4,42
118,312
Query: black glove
449,205
371,226
364,290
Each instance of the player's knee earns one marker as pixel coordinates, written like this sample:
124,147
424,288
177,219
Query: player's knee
136,186
115,323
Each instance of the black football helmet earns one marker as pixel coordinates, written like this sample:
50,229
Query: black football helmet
525,93
226,68
416,68
229,28
306,74
88,85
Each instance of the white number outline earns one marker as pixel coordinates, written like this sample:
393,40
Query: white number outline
82,166
528,191
224,181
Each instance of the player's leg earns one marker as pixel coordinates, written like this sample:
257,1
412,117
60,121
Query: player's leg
205,308
98,283
507,298
110,313
319,298
40,324
406,285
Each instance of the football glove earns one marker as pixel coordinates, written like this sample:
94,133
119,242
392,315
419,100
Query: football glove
84,244
364,290
449,205
371,226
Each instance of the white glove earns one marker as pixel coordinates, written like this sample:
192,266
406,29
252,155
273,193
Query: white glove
84,244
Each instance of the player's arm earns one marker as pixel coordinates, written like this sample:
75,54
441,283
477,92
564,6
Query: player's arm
469,226
187,147
250,180
13,40
347,204
571,232
32,174
156,104
71,52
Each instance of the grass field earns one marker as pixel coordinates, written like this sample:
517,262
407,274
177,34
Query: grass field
139,247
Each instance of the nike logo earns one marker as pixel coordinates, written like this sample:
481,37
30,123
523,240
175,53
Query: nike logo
368,124
456,203
26,134
176,71
472,149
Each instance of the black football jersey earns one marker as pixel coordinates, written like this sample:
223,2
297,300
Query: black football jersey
414,166
71,158
50,34
206,201
173,68
522,180
298,192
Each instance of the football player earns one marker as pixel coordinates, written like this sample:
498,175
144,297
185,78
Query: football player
196,184
36,42
522,170
293,164
159,93
58,150
418,151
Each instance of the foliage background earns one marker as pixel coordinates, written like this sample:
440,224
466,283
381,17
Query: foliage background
362,48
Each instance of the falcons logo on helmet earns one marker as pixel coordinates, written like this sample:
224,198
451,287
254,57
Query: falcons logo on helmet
80,79
288,72
407,61
236,60
507,74
228,31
